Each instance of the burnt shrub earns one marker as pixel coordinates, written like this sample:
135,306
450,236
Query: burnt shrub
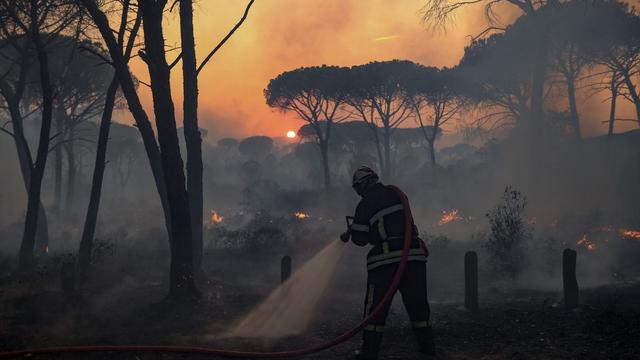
266,240
508,235
264,236
102,249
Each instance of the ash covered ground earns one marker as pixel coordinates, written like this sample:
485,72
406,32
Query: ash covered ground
512,323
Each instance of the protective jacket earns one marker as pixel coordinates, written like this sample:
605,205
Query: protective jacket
379,221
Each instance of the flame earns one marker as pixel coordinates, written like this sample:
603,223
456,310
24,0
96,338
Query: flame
588,244
301,215
634,234
627,233
216,218
451,216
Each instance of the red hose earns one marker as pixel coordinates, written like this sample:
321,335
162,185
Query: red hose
408,230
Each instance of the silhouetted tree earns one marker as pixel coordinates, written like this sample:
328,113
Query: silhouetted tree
18,68
434,101
228,143
164,155
315,94
376,94
612,38
256,147
37,20
80,84
110,99
192,136
496,72
438,12
566,26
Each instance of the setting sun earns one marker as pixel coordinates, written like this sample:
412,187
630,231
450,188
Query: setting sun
291,134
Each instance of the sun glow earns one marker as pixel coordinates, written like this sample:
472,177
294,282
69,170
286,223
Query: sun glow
291,134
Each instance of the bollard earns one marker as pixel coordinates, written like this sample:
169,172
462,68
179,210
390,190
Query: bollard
471,281
68,277
570,283
285,268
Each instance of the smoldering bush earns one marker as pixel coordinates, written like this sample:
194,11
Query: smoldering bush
261,236
509,234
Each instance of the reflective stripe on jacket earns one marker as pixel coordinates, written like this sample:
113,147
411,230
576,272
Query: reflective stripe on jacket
379,221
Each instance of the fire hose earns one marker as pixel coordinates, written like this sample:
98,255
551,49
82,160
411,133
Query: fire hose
408,230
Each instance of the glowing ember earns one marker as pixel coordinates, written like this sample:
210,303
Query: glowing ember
216,218
633,234
588,244
300,215
448,217
291,134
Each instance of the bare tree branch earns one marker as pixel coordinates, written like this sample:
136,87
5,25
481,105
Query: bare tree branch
224,40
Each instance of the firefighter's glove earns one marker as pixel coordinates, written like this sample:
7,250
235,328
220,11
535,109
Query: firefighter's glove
345,236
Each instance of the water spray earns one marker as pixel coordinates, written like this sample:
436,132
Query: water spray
248,354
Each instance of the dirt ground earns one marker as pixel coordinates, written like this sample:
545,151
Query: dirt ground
510,325
125,303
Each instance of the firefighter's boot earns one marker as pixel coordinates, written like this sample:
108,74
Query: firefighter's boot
370,346
424,335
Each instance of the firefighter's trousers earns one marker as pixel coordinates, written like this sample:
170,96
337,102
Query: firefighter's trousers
413,288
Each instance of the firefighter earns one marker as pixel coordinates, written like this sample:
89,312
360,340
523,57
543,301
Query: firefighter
379,221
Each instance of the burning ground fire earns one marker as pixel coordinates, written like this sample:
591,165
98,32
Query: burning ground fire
301,215
216,218
588,244
449,217
633,234
625,233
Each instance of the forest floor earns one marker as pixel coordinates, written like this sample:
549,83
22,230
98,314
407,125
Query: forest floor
510,324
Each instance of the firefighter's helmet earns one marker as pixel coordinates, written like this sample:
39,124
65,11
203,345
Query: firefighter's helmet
364,175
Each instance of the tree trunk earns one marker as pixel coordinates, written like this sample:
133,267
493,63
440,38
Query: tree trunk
72,168
26,166
181,274
25,261
91,219
612,111
379,151
324,152
633,93
42,231
135,107
57,176
387,154
432,151
192,136
573,107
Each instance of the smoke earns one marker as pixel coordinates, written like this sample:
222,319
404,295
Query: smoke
289,310
287,34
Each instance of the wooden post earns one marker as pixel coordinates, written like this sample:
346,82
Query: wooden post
68,277
570,283
471,281
285,268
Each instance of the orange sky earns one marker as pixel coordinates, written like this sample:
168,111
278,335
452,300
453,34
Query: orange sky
281,35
